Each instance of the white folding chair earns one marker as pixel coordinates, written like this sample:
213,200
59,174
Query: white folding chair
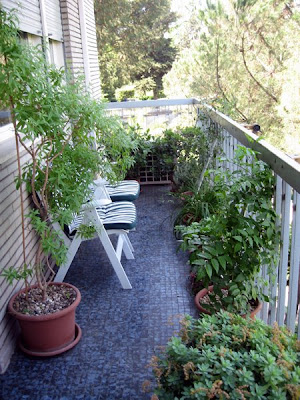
108,218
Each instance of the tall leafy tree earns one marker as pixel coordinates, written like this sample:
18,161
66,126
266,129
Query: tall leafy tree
245,61
132,41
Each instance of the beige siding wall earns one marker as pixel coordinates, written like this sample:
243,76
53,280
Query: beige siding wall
72,36
11,246
92,50
75,49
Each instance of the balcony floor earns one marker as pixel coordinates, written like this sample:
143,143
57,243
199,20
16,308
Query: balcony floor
121,328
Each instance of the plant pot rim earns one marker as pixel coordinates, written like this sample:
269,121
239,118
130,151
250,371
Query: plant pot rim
44,317
204,291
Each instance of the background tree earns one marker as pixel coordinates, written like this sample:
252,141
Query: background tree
244,60
132,43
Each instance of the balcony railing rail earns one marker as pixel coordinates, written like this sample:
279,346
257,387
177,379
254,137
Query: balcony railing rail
284,292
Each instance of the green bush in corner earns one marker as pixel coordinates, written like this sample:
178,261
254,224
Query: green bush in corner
228,357
229,247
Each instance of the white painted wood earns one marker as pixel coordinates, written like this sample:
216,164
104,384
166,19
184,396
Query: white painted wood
282,279
149,103
85,48
231,153
127,246
28,13
119,247
53,18
283,165
265,305
63,269
110,251
294,264
275,268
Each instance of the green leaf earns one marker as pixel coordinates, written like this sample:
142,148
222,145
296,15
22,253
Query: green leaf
240,278
238,238
205,255
237,247
211,250
222,261
269,232
199,262
215,264
208,269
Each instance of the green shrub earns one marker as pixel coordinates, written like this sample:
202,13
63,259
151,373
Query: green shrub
124,93
230,246
227,357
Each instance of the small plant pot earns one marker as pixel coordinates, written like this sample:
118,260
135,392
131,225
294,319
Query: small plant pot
185,195
50,334
205,291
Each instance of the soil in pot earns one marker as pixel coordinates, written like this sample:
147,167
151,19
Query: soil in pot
202,298
58,298
47,328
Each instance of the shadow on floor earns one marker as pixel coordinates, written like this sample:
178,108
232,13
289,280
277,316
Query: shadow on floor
121,328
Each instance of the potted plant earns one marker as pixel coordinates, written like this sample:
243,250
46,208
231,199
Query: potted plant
229,247
227,357
52,119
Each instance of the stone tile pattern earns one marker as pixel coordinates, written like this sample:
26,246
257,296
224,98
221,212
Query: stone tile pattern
122,329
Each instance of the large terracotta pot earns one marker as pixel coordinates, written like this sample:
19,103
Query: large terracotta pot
203,292
51,334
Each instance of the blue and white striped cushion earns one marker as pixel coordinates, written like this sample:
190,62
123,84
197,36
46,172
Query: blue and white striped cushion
119,215
124,191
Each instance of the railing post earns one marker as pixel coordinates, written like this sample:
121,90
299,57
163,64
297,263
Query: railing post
275,268
294,265
285,225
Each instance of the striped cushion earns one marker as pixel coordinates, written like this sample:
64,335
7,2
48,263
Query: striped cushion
120,215
124,191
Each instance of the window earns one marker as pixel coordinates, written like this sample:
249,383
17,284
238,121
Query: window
56,53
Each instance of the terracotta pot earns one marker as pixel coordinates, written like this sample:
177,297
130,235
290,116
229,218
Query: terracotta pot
50,334
203,292
187,194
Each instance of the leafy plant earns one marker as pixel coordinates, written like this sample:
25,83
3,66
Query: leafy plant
196,205
184,149
53,118
227,357
230,246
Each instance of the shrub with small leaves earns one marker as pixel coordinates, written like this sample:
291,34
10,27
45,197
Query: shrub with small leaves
227,357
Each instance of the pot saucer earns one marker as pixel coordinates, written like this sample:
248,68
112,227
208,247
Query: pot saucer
78,334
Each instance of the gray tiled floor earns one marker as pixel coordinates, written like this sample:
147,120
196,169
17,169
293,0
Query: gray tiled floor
121,328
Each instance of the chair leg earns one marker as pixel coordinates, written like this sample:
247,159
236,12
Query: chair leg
63,269
128,242
127,247
109,248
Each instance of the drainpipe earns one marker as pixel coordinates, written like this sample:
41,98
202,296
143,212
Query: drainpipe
84,42
45,30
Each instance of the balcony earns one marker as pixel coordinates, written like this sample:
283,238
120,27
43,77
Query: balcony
122,329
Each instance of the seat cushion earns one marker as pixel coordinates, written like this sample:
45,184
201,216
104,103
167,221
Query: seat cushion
124,191
119,215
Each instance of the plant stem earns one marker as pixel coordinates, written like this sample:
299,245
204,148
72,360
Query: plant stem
12,110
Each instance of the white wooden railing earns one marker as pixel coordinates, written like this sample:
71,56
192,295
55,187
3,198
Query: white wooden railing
284,292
